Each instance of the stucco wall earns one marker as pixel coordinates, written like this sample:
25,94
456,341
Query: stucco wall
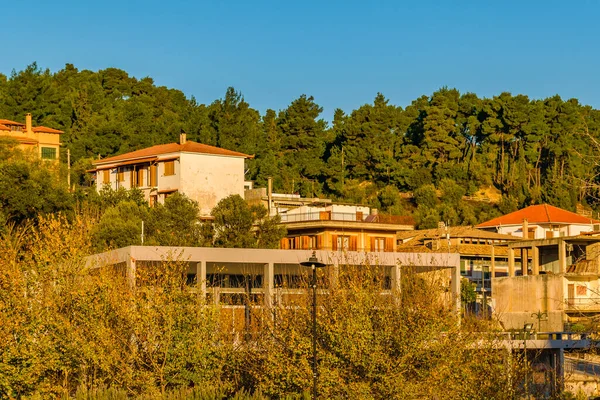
208,179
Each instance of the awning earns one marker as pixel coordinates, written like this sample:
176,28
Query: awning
167,191
130,162
168,159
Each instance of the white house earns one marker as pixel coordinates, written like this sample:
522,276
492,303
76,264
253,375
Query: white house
541,221
203,173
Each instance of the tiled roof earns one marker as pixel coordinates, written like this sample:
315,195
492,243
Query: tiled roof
188,146
9,122
45,129
23,139
4,127
454,232
538,214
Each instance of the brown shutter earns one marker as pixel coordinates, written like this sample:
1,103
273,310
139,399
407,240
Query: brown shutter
319,242
372,244
353,243
140,177
305,242
297,242
153,175
283,244
132,178
334,242
389,244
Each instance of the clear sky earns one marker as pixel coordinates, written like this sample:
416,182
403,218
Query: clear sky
340,52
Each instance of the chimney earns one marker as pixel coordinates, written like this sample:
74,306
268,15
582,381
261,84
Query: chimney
525,228
28,127
182,138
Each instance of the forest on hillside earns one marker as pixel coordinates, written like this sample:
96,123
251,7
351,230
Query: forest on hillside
440,148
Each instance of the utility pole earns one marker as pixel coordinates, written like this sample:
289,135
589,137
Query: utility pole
343,171
69,169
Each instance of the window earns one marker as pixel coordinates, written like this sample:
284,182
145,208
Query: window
120,175
48,153
169,168
106,176
153,200
378,244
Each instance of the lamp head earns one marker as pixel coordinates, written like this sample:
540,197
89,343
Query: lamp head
313,260
528,327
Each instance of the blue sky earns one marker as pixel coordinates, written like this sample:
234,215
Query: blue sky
341,52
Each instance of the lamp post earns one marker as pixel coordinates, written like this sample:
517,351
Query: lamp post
314,263
526,331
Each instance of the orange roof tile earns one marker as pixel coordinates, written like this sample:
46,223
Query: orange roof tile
23,139
45,129
538,214
9,122
4,128
188,146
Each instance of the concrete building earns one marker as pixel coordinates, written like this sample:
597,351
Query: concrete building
40,140
541,221
483,254
224,276
561,283
204,173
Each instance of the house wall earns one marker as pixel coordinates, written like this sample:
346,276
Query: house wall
541,229
208,179
170,182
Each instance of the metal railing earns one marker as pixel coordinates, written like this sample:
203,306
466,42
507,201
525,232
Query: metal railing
583,303
348,217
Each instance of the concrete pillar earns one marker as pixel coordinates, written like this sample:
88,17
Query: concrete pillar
268,283
455,286
511,261
492,262
396,277
535,260
562,256
524,259
201,278
131,271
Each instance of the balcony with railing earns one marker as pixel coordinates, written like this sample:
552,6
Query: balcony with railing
582,304
346,217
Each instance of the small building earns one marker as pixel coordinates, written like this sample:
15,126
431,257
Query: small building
541,221
204,173
342,227
40,140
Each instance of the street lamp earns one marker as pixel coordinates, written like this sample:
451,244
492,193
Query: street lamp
314,263
526,331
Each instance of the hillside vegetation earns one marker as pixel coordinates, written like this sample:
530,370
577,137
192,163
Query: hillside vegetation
448,143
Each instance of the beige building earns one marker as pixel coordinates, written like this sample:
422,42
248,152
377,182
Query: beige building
40,140
204,173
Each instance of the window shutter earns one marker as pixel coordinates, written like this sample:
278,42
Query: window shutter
389,244
334,242
153,175
353,243
305,240
372,244
297,242
319,242
140,177
283,244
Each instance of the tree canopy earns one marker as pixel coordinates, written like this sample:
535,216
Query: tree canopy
526,151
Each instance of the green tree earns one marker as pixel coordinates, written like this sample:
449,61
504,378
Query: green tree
175,223
236,224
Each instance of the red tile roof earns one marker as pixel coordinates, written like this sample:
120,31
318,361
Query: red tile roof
4,127
45,129
188,146
539,214
9,122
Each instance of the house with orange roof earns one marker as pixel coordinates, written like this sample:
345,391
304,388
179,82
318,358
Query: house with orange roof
541,221
41,140
204,173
